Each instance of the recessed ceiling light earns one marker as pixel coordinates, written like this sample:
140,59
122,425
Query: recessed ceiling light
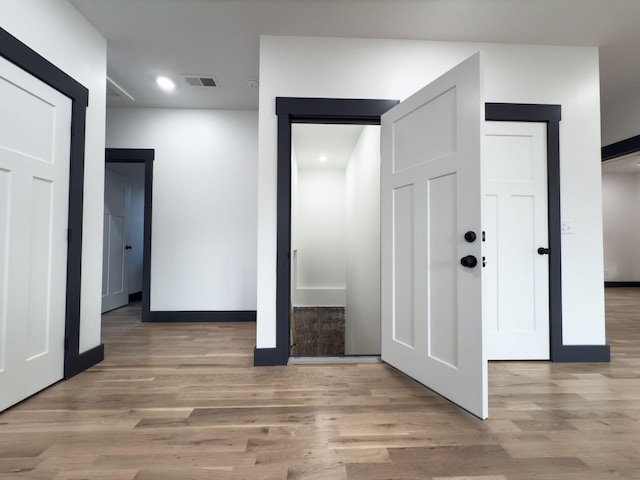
165,83
323,158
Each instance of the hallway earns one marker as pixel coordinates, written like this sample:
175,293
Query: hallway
183,401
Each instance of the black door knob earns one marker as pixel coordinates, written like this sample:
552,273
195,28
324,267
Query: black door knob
543,251
470,236
469,261
128,247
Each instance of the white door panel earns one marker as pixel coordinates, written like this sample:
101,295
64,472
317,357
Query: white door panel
35,127
431,195
516,278
115,279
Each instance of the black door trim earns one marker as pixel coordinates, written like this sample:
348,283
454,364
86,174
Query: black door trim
30,61
623,147
551,115
146,157
359,111
303,110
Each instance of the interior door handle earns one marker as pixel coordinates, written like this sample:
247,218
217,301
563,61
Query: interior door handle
469,261
470,236
543,251
128,247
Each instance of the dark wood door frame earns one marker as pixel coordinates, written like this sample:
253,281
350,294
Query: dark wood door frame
33,63
352,111
623,147
145,157
551,115
303,110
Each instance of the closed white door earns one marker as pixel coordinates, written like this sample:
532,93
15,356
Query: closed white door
516,277
35,129
115,277
430,197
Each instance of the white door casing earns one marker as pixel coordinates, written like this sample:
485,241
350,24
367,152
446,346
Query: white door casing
430,196
35,133
115,276
516,277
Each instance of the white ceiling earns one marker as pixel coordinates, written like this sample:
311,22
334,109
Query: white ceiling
334,142
221,37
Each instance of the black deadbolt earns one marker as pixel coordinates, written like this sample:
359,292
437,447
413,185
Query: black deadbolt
469,261
470,236
543,251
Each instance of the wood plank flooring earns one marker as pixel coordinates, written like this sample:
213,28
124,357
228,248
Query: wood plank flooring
183,401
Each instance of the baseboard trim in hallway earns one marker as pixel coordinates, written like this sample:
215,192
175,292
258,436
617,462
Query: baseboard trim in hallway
202,316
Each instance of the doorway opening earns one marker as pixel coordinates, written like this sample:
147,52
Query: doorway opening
335,240
621,226
351,111
620,187
127,161
551,116
303,110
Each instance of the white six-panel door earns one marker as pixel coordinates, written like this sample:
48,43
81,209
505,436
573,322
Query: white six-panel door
430,197
115,277
35,129
516,277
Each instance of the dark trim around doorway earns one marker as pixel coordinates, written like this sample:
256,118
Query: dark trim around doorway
303,110
33,63
146,157
353,111
621,284
551,115
190,316
623,147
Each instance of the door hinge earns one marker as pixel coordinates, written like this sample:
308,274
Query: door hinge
66,343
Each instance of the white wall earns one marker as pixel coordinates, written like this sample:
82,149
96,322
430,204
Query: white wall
621,215
135,220
58,32
203,252
621,120
327,67
362,325
319,233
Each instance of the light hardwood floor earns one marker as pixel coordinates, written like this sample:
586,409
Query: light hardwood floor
175,401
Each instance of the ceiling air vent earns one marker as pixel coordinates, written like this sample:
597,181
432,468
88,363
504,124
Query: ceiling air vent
200,80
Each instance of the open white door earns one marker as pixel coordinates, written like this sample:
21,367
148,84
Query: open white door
35,134
516,278
431,197
115,276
